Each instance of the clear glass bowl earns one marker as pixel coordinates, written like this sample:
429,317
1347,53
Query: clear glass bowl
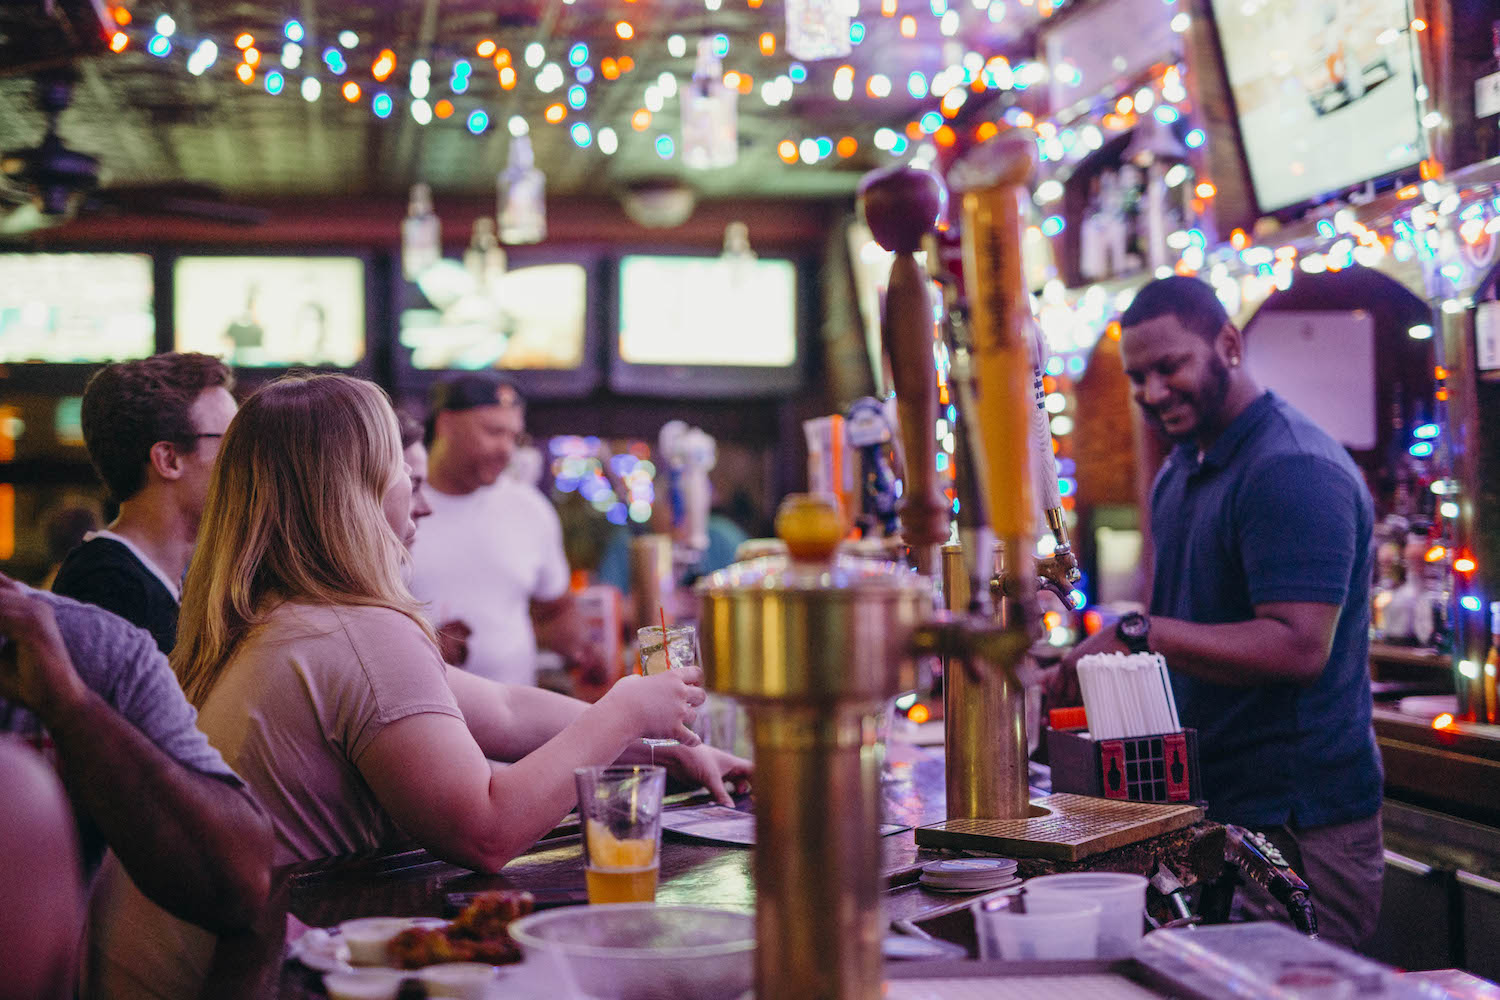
643,951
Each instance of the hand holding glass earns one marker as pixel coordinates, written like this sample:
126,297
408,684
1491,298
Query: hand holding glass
619,808
676,649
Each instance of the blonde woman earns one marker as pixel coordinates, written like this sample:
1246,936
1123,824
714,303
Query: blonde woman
316,676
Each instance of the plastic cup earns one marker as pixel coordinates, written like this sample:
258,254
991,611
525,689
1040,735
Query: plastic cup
1053,927
619,807
1122,899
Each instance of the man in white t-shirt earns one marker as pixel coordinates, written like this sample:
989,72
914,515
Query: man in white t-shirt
489,559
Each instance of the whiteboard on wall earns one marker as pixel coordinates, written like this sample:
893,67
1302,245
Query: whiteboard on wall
1323,363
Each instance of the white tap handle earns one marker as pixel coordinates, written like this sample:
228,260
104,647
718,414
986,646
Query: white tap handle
1041,427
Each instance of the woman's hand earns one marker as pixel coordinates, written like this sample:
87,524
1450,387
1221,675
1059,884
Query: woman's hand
662,706
723,774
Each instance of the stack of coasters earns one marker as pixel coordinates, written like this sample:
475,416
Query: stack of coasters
969,874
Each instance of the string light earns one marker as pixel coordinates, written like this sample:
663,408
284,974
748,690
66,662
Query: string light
384,65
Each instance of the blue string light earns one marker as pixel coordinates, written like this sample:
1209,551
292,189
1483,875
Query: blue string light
294,31
478,121
382,105
578,54
665,147
159,46
274,82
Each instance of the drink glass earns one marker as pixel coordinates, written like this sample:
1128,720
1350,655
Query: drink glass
678,648
619,808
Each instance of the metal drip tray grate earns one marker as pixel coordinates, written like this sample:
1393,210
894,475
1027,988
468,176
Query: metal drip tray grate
1066,827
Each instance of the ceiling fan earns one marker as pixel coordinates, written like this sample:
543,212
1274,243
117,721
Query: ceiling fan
50,183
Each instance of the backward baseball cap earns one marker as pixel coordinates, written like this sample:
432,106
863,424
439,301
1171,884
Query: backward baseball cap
467,391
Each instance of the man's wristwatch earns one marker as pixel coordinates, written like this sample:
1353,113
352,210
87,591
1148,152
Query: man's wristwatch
1134,630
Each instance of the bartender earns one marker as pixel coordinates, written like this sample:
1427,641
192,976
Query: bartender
1260,602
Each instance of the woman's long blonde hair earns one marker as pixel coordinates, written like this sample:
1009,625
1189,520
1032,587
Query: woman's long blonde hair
293,514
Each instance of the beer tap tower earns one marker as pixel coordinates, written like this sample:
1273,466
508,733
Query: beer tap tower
816,641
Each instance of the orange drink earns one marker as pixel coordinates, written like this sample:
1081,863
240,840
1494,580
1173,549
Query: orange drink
634,885
620,807
620,870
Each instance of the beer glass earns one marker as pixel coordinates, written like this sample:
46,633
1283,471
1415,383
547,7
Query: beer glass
619,809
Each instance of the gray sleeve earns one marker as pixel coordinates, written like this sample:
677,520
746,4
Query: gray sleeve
123,666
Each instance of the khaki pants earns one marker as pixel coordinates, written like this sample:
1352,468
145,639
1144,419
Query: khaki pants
1344,865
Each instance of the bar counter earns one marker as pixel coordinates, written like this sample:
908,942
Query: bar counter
414,883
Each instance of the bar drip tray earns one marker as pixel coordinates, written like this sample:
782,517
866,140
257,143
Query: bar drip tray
1063,827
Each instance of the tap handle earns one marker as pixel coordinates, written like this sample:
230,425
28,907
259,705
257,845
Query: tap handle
994,178
901,205
1047,490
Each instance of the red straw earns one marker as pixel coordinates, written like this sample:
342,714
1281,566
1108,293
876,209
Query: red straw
666,656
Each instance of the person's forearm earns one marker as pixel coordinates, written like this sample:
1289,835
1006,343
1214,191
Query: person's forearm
509,721
1240,654
192,844
529,798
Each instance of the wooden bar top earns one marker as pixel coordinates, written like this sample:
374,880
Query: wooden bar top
413,883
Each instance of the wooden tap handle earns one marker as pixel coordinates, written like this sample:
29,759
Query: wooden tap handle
901,205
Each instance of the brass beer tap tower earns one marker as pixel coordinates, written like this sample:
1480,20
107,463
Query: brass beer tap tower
984,697
815,642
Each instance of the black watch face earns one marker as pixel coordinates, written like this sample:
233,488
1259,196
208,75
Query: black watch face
1133,626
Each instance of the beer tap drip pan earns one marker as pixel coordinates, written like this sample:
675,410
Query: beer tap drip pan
1063,827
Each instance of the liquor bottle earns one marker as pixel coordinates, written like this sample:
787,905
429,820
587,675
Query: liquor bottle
521,190
421,234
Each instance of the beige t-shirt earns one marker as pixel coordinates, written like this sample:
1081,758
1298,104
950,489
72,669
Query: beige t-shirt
295,709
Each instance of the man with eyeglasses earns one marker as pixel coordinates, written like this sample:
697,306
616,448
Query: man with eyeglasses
152,428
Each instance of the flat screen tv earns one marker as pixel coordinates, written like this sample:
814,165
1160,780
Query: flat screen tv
271,312
1324,91
75,308
531,320
706,326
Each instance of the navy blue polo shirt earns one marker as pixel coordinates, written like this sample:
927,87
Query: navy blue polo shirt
1275,511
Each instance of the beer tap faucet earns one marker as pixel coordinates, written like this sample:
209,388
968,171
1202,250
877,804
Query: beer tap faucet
985,746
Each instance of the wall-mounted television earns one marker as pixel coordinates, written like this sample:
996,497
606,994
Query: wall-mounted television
531,317
706,326
271,312
1324,91
76,308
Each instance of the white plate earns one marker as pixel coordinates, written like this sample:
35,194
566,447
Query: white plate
323,949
